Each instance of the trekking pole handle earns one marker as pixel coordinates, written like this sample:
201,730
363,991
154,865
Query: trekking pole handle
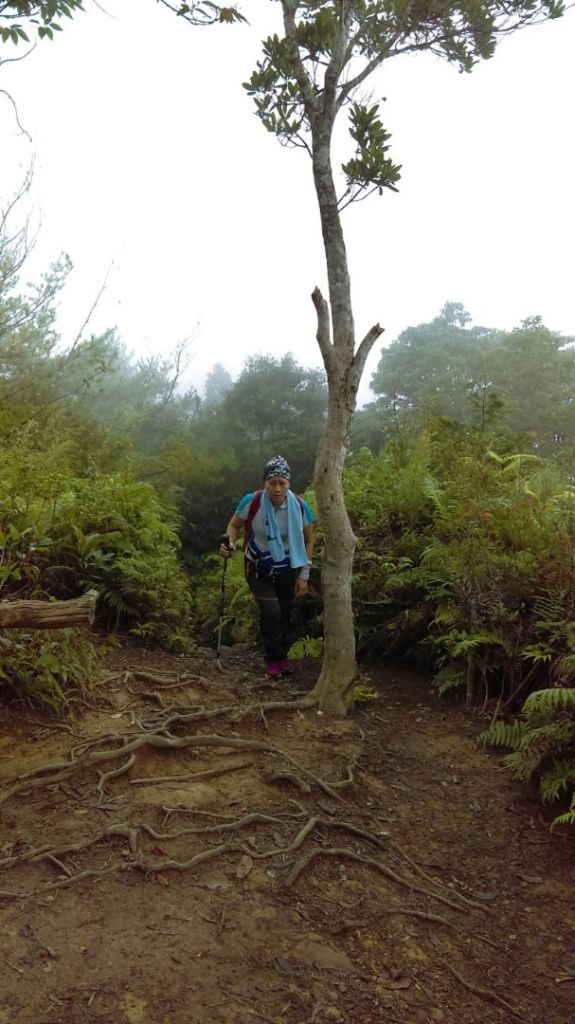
226,543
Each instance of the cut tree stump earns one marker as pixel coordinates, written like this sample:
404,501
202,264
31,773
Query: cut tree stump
49,614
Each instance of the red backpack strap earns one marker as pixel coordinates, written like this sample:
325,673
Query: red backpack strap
252,511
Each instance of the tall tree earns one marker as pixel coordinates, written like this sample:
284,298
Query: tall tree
524,377
533,371
218,382
433,366
274,404
303,82
327,53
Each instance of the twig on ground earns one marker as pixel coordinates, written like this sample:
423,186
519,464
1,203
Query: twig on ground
484,993
243,1002
19,970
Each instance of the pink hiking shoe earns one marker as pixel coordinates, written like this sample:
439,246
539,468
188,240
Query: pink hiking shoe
273,669
284,667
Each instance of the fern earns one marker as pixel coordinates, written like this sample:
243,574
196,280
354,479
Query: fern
450,677
364,694
565,819
557,780
307,647
502,734
550,700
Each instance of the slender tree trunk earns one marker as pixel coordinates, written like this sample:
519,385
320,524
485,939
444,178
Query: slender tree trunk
334,689
344,367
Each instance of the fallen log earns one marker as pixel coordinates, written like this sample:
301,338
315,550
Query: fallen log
80,611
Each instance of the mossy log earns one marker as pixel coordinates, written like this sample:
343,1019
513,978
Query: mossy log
49,614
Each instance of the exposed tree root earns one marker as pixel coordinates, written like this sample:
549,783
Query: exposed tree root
344,854
303,787
413,864
484,993
406,912
53,773
113,774
191,776
136,859
49,774
169,680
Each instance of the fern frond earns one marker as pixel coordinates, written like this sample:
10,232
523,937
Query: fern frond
503,734
536,653
565,819
307,647
450,677
556,780
550,700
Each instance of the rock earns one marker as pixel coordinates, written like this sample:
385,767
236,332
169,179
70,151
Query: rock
314,952
332,1013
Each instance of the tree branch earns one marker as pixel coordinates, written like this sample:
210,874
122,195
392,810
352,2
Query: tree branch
364,348
309,97
323,328
12,101
92,310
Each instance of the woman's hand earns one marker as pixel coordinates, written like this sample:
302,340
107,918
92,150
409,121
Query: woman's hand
300,587
227,550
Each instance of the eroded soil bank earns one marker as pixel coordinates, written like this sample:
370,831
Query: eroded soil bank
379,869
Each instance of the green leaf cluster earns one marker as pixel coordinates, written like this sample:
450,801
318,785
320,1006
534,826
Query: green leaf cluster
370,167
20,18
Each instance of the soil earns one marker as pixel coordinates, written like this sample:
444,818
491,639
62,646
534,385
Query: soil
391,871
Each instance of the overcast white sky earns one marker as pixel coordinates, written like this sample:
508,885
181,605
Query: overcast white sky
148,156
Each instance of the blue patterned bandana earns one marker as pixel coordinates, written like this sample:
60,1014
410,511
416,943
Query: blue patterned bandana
277,466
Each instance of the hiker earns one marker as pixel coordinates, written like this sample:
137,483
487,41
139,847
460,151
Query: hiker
278,548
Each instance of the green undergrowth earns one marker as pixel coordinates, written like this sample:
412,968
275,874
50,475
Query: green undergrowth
48,668
542,743
464,567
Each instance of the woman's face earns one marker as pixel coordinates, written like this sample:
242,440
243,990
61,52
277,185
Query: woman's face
277,488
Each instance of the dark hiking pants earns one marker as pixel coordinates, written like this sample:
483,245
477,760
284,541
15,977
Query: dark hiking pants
275,598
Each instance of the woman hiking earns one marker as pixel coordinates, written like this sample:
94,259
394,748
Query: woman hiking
278,548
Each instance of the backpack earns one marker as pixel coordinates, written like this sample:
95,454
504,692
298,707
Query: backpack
254,509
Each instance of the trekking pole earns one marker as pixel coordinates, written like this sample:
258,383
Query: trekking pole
226,542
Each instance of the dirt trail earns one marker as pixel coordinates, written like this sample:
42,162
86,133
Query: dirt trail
424,889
